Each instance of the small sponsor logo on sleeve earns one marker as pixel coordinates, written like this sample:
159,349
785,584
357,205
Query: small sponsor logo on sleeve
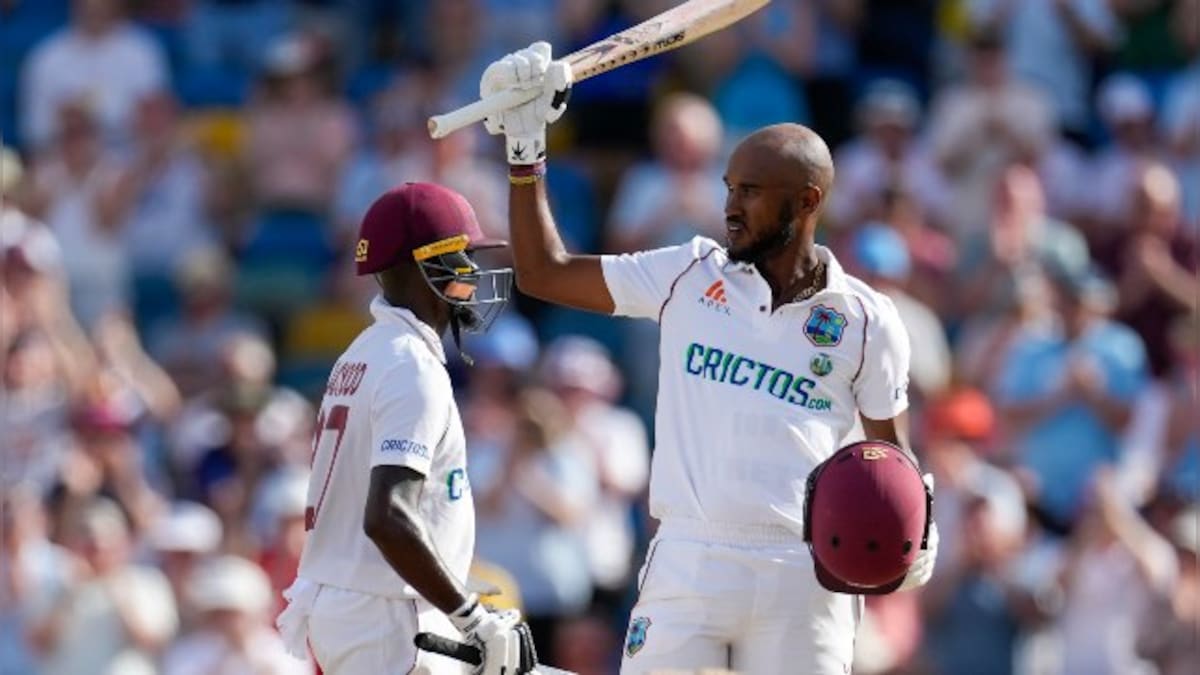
405,447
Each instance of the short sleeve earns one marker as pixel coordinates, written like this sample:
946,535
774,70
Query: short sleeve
409,415
640,283
881,389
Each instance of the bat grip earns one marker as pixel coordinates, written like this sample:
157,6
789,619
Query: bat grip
431,642
442,125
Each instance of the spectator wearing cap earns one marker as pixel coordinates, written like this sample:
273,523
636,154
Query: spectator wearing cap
1127,109
881,258
116,616
613,441
1065,395
888,151
180,539
234,635
101,57
981,126
107,460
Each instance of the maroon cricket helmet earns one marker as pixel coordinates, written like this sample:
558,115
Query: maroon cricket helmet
867,515
411,217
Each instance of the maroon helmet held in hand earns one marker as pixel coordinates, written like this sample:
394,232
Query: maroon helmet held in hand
867,515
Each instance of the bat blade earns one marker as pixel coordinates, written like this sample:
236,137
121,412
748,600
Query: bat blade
674,28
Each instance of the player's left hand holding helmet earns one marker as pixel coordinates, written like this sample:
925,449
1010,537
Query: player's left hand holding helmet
503,639
868,520
524,127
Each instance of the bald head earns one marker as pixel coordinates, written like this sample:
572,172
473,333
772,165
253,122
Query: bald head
797,151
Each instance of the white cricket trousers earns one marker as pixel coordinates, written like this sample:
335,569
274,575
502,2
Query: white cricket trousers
351,633
742,598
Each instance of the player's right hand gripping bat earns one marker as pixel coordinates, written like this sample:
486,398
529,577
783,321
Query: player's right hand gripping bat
466,653
672,29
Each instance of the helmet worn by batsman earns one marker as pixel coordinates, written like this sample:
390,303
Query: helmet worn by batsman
867,515
437,228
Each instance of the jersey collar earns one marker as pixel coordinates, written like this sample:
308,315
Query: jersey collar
835,276
385,313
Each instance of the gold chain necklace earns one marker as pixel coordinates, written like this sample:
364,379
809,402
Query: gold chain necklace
816,283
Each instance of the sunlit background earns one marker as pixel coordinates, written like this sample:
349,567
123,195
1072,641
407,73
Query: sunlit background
183,179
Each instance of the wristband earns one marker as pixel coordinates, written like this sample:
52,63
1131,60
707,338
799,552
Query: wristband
466,617
526,174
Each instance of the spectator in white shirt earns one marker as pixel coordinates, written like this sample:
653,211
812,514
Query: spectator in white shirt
235,637
886,151
116,616
72,183
1051,46
613,440
1128,112
981,126
159,193
100,57
1113,569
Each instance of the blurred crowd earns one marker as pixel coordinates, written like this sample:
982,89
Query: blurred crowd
182,179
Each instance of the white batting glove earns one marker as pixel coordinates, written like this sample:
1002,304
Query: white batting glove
524,127
921,570
502,637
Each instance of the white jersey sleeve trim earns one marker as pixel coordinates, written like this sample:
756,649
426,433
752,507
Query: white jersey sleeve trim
881,385
641,283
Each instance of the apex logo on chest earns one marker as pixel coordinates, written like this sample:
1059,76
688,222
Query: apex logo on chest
714,298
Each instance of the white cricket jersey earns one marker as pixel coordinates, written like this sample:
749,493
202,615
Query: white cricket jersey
750,400
388,401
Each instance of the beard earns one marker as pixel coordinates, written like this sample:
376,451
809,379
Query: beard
769,242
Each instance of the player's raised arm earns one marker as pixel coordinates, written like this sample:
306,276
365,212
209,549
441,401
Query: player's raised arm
544,268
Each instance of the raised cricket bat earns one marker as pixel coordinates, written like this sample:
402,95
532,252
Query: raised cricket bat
466,653
672,29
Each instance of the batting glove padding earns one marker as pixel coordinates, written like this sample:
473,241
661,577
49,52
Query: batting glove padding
524,127
921,570
502,637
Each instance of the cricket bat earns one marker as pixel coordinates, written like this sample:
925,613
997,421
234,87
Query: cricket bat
672,29
466,653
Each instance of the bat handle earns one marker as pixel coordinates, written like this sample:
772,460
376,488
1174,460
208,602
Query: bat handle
442,125
431,642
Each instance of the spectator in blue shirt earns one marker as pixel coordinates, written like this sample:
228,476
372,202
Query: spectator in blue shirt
1067,394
